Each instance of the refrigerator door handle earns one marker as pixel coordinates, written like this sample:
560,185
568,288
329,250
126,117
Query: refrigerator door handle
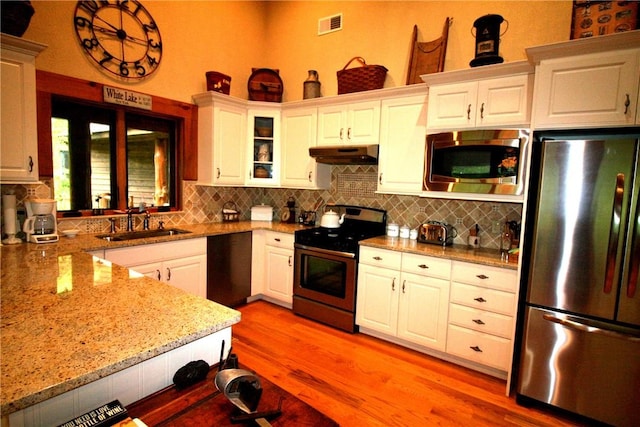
634,266
614,235
579,326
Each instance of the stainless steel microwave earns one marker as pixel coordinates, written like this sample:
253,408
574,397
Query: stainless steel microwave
476,161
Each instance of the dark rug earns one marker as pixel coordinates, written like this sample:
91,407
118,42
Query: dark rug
203,405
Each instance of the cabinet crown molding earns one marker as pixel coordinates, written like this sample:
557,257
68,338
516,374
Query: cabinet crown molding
609,42
478,73
20,45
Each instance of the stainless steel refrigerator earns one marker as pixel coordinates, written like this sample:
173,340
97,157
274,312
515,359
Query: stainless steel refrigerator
580,348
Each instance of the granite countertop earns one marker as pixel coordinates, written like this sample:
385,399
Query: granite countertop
68,318
483,256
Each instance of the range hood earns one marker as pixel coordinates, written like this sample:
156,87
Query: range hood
346,154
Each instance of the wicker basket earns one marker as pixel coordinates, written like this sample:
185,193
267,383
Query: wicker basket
230,216
358,79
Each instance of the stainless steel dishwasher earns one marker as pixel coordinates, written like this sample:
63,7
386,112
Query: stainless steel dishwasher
229,268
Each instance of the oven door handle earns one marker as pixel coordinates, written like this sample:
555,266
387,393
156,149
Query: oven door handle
325,251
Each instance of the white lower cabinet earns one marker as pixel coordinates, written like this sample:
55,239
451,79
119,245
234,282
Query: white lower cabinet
403,296
182,264
463,311
481,314
272,271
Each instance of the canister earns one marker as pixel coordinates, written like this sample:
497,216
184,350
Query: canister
404,232
393,230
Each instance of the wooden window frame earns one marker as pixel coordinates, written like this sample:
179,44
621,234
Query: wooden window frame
49,85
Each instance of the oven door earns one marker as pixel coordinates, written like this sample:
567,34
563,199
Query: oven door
325,276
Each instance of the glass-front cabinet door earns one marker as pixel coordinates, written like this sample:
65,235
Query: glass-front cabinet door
264,146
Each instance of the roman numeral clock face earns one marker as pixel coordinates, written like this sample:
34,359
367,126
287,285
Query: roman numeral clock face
120,36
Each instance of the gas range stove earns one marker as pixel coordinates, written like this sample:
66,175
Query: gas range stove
359,223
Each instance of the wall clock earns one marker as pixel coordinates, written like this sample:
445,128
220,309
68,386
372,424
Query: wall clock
120,36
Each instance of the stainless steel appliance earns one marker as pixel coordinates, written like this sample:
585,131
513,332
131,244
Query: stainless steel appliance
229,268
476,161
345,154
326,266
437,233
581,333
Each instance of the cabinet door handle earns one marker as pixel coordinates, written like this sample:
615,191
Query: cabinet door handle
478,321
380,178
310,176
158,273
168,274
218,173
627,102
31,158
482,276
476,349
482,111
404,282
423,266
393,284
341,131
377,258
349,133
469,112
290,260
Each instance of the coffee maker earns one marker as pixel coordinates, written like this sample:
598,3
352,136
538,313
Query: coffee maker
41,225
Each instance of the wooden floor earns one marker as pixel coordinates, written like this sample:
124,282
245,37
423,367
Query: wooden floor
362,381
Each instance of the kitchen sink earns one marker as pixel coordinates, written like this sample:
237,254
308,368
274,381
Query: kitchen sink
143,234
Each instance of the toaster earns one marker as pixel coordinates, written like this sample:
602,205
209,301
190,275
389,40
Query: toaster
437,233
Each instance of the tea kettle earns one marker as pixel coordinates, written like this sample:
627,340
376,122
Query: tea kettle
331,219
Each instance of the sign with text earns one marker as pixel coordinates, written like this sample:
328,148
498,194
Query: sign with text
126,97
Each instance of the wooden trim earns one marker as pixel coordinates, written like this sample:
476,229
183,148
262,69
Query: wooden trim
48,84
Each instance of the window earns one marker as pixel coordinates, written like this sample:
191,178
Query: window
103,157
88,154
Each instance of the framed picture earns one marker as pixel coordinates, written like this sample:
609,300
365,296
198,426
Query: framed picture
597,18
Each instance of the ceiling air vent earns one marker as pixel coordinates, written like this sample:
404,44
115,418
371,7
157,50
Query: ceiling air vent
329,24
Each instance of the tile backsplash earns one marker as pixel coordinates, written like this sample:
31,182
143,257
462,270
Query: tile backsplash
351,185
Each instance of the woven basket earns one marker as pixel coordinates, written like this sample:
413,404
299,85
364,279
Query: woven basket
230,216
358,79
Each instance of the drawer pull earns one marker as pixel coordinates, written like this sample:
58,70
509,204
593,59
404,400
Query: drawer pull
423,266
478,321
277,239
476,349
480,299
377,258
482,276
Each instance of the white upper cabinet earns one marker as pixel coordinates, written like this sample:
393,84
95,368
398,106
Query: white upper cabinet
264,146
299,170
483,97
587,82
222,126
402,141
19,140
356,123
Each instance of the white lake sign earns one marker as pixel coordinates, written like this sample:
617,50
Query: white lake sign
126,97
